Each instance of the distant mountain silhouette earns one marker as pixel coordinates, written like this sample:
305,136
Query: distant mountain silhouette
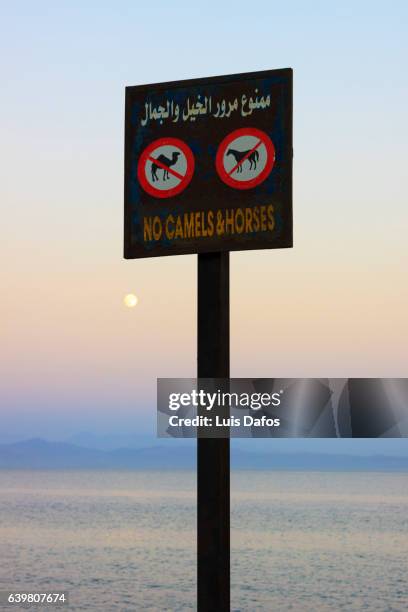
40,454
110,441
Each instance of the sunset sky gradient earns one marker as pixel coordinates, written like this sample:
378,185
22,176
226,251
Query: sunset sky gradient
72,356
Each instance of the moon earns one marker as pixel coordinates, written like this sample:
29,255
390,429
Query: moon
130,300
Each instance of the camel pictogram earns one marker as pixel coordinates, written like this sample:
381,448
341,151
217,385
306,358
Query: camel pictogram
167,162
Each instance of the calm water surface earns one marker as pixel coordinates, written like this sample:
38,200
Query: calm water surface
126,540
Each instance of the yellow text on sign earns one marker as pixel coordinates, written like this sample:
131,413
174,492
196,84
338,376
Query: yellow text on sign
205,224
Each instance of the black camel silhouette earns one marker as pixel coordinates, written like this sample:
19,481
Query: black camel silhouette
167,162
253,158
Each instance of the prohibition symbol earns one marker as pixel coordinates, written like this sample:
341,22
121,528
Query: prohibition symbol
245,158
165,167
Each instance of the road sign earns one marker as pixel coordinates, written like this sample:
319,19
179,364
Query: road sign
165,167
245,158
208,170
208,165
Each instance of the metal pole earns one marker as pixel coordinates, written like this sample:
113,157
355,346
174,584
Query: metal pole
213,455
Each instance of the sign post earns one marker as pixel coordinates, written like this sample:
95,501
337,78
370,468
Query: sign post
208,170
213,455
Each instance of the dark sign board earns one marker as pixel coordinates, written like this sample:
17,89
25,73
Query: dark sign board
208,165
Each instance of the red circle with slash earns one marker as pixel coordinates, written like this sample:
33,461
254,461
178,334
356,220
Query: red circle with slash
165,167
245,158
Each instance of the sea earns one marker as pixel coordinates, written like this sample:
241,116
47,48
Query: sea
126,540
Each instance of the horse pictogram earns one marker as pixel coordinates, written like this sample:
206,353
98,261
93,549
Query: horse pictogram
252,157
245,158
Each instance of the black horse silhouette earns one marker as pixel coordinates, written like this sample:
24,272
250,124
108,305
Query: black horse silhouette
167,162
253,158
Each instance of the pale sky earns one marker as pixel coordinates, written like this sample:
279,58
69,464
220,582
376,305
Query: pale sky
72,356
